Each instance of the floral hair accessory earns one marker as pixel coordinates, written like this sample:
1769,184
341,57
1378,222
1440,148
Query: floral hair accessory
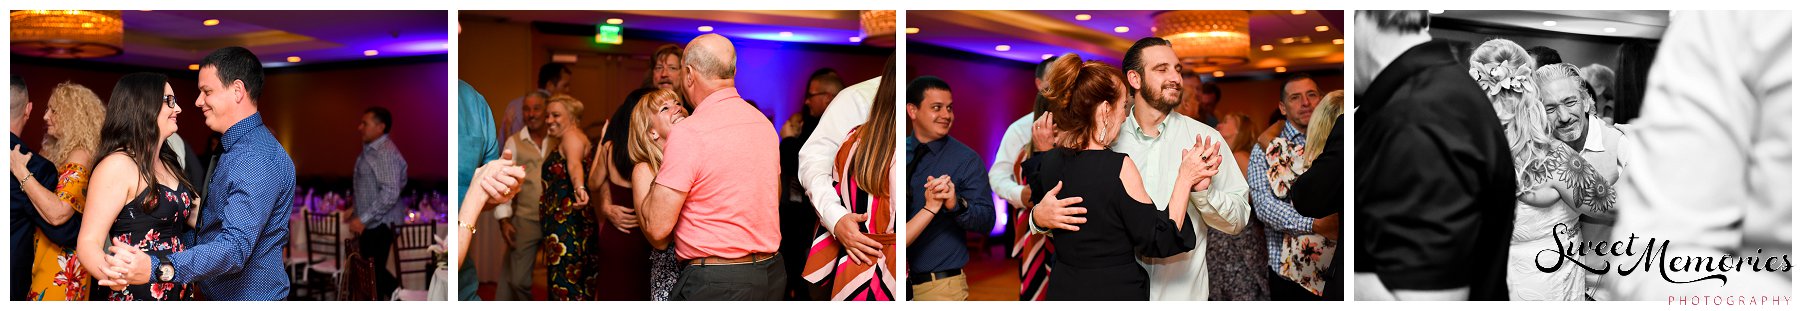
1495,77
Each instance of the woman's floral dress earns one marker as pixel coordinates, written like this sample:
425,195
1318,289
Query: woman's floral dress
568,231
154,222
57,274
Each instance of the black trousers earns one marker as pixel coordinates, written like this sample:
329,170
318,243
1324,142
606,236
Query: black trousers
1282,289
763,280
376,243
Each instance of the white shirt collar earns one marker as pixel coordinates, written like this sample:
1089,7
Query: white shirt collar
1593,143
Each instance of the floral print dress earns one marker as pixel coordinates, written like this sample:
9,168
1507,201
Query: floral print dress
64,280
154,222
568,232
1306,259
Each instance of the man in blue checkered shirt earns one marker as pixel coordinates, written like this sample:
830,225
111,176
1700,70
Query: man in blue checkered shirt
1299,96
243,224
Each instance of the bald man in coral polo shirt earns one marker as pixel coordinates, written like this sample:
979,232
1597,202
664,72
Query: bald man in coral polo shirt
717,189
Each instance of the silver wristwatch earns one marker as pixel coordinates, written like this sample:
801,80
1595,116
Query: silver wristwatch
166,270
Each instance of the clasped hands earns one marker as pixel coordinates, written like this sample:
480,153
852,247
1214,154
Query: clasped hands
1196,173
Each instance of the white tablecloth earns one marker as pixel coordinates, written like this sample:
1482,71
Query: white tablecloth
440,290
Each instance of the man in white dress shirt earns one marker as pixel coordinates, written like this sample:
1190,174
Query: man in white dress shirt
1155,137
849,109
519,218
1017,137
1573,120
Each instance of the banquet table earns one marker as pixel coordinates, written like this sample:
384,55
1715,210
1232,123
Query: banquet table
297,241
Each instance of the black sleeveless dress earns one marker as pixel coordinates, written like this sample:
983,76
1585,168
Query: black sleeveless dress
1100,262
154,221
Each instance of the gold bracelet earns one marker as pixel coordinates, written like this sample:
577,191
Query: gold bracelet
471,227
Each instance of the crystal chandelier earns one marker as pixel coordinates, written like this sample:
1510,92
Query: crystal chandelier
1207,38
877,27
67,33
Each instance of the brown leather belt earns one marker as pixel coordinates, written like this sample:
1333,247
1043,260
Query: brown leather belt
720,261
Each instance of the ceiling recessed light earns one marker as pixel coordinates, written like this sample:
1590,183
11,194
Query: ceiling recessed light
1003,48
1267,47
1609,30
1288,40
1083,17
785,34
912,30
210,22
615,21
1282,69
1122,29
1549,23
370,52
293,59
705,28
193,66
1321,28
1218,74
1045,56
1436,11
87,25
1338,41
1298,12
856,39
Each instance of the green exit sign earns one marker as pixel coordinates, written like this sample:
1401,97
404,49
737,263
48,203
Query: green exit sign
608,34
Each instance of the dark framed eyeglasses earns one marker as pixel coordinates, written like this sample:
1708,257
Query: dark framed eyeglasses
169,101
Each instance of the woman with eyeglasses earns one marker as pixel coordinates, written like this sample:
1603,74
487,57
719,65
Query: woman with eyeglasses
137,197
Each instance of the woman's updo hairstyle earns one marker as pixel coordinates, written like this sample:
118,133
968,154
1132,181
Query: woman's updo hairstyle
1504,71
1075,89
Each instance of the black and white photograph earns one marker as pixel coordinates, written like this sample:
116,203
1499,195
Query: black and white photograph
1572,155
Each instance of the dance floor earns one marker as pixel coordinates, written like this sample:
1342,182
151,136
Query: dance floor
992,274
539,291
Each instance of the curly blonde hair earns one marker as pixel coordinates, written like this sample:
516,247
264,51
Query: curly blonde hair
1503,69
78,113
639,144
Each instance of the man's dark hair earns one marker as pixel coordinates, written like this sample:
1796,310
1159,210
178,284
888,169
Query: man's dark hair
1283,95
20,94
1039,72
1544,55
551,74
18,84
1210,87
1133,61
1399,21
382,114
916,89
1039,103
237,64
